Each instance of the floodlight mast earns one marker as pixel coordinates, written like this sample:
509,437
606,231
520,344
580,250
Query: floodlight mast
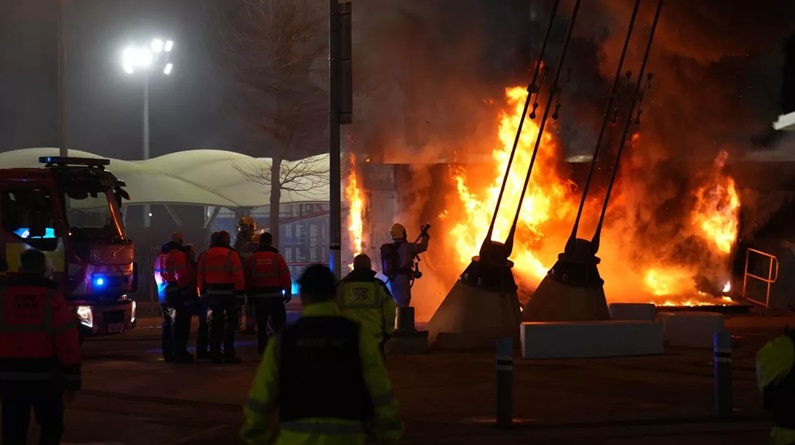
146,59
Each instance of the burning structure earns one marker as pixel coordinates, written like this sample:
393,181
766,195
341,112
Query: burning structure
670,229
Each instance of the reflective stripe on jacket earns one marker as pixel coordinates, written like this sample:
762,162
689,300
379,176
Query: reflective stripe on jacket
364,298
38,335
265,392
220,272
267,274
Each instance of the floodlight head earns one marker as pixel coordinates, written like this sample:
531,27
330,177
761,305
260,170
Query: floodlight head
168,68
157,45
169,45
134,57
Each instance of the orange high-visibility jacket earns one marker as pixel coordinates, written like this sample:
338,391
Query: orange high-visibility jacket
267,273
220,272
172,270
39,343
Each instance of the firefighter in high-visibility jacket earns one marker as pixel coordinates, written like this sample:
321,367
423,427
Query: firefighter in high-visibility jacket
173,277
221,283
39,353
268,288
364,298
322,381
775,371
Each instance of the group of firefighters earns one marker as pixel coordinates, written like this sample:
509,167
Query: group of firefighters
322,381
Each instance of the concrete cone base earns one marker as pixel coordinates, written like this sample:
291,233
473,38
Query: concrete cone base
415,342
555,301
474,318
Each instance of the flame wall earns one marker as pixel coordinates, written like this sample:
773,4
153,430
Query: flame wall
431,82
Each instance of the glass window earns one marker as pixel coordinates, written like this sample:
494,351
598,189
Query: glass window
28,214
94,215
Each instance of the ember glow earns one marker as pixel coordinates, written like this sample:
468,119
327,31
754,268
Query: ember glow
355,197
717,207
547,196
550,205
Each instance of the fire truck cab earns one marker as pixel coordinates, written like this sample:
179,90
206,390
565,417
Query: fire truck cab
70,210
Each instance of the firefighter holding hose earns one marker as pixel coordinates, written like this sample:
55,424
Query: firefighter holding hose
399,262
775,371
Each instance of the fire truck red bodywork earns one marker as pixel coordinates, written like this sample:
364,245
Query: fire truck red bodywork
56,210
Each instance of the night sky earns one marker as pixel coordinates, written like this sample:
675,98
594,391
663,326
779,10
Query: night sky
197,107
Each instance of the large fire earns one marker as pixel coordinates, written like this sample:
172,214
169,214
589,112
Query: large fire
551,202
355,198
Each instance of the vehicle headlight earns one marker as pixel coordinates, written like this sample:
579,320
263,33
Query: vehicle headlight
86,316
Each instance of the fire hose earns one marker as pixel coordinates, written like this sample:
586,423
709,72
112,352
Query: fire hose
415,273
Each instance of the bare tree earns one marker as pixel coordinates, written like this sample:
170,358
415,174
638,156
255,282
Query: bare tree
301,178
272,47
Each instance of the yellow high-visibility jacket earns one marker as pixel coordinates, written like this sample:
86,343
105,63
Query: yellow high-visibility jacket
364,298
774,363
263,427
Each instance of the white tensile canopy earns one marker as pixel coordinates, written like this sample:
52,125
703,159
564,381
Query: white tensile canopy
192,177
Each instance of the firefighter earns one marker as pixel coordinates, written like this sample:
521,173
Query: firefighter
322,381
775,369
39,353
245,245
173,277
221,283
268,288
401,276
364,298
192,297
203,332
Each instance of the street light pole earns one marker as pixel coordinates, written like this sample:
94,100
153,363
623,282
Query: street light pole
144,59
61,48
335,195
147,207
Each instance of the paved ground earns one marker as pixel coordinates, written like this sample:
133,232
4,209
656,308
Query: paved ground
131,397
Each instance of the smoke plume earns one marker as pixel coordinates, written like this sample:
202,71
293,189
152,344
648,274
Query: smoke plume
430,76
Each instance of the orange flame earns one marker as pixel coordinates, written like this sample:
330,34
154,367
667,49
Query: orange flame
549,206
541,202
717,207
355,197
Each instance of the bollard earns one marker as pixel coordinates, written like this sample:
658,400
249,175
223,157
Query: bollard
405,319
723,374
504,382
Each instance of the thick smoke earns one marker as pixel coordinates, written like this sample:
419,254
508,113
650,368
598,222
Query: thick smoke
425,73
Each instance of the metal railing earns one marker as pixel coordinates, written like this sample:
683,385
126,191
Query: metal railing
772,276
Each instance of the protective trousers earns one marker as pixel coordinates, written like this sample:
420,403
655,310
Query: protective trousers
176,326
48,408
400,286
223,324
203,333
265,308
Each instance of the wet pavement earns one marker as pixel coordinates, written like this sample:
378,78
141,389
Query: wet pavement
131,397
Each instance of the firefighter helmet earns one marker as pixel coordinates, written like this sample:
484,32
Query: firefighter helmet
775,360
247,221
398,231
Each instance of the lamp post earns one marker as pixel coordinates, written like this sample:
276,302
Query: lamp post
147,60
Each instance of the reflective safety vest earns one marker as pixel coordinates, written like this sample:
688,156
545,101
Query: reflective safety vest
171,270
364,298
39,345
267,274
220,273
354,393
775,368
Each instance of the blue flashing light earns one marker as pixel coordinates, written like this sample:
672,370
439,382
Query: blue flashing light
24,233
99,281
295,289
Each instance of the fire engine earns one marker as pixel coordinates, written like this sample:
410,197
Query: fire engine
71,210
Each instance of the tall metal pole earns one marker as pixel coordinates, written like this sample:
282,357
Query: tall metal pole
335,195
62,148
147,208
